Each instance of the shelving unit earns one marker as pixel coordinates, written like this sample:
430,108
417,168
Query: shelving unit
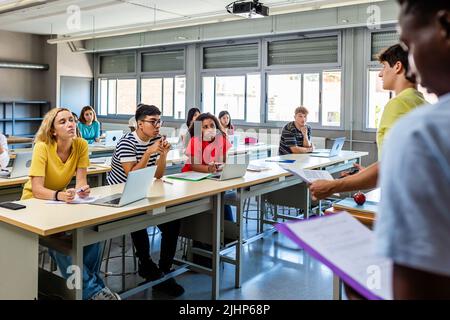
15,115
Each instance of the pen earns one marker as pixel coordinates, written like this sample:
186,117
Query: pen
165,181
79,190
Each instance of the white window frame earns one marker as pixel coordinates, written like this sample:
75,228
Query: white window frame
370,66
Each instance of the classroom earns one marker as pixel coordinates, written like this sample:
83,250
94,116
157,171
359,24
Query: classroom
216,150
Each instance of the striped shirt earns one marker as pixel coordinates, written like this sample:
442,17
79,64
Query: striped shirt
129,149
291,137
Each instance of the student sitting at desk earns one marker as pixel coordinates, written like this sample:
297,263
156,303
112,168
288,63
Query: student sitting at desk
4,155
193,114
208,149
136,150
225,121
296,135
57,155
88,125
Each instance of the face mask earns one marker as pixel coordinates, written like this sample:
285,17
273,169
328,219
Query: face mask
209,135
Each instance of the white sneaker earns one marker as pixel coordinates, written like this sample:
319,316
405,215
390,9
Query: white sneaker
105,294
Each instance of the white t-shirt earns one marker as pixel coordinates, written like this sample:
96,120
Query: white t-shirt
4,157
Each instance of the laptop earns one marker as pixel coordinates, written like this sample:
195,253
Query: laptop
112,137
21,166
136,188
335,149
235,167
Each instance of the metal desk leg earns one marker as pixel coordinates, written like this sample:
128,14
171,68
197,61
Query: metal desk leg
337,295
217,216
240,222
77,260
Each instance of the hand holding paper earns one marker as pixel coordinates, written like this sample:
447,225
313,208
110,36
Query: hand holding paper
308,176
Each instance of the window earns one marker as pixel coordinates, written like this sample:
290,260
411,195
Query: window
253,98
161,82
168,94
114,64
377,99
285,92
311,95
231,56
117,96
331,98
163,61
430,97
239,95
380,41
283,96
318,50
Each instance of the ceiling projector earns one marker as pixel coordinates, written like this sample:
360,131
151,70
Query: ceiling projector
248,9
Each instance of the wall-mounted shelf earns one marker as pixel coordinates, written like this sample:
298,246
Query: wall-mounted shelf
22,117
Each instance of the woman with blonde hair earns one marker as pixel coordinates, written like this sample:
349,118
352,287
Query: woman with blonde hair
58,154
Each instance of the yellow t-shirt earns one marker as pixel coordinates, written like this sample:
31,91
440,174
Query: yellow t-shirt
57,175
397,107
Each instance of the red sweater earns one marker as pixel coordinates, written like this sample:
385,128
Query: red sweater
205,152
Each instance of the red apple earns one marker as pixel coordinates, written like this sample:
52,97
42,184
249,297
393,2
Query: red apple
359,198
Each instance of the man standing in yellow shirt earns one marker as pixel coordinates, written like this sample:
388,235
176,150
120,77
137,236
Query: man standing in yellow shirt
407,97
395,78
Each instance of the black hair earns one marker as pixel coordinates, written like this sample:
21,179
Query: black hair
423,10
225,112
190,115
205,116
144,110
395,54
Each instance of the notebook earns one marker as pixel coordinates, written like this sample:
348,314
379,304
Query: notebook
189,176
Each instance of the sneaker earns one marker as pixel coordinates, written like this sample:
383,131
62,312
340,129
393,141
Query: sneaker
169,287
148,270
105,294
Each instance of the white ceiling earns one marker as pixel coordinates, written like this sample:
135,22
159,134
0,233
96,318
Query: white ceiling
97,16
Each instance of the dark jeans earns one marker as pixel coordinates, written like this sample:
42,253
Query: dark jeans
169,238
228,213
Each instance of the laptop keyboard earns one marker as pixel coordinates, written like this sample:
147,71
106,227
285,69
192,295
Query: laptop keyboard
114,201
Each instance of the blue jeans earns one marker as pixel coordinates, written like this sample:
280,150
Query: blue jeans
92,283
228,213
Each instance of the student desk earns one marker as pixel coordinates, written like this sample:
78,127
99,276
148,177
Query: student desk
278,179
11,189
90,224
22,230
18,140
368,219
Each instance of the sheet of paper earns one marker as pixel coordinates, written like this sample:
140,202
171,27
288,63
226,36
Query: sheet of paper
77,200
347,247
257,168
308,176
189,175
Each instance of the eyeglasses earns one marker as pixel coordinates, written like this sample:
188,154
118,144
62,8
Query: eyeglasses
154,123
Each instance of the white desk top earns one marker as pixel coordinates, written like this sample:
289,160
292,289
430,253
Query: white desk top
93,169
46,219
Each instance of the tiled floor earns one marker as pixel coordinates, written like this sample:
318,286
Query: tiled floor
274,268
